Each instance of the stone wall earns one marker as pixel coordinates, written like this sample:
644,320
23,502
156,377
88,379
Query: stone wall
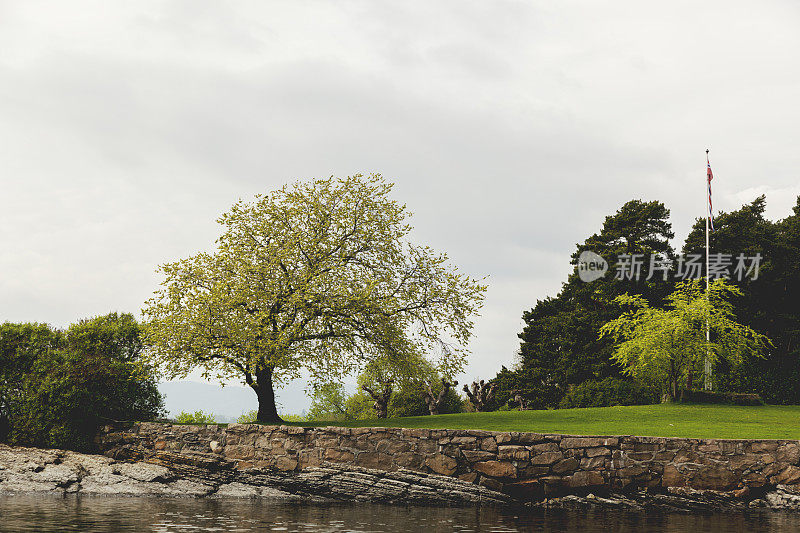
525,466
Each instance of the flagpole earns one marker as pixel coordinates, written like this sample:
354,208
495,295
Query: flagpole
708,325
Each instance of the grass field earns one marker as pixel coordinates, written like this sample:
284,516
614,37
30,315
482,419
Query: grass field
665,420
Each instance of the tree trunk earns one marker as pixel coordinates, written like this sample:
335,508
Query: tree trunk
381,397
267,410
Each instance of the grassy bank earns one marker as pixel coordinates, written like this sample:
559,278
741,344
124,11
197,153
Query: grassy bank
666,420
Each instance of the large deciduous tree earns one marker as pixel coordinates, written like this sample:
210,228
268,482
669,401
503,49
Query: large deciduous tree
318,275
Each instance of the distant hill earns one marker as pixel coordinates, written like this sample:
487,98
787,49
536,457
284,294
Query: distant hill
228,402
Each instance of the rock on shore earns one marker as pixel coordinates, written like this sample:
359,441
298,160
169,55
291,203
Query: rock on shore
32,470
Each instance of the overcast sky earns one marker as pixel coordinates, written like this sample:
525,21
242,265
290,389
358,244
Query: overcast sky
510,128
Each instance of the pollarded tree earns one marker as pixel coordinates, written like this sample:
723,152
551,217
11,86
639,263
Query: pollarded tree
668,346
317,275
385,375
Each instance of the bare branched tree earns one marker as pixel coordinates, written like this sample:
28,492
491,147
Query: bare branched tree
481,395
434,401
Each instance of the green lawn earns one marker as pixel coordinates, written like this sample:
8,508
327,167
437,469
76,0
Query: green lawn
665,420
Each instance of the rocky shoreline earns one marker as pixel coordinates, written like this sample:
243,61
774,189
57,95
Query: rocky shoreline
60,473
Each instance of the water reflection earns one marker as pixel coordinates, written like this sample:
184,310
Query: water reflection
100,514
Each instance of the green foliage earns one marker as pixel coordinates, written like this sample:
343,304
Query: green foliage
732,398
668,346
411,402
294,418
71,383
328,402
560,346
249,417
609,392
768,304
198,417
20,345
359,407
317,275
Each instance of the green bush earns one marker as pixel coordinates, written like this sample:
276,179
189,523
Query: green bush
249,417
359,407
66,384
328,402
198,417
411,402
609,392
294,418
731,398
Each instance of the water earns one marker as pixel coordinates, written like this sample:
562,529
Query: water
100,514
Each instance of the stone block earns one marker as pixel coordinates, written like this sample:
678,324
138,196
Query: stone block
588,442
788,476
392,446
409,460
545,447
496,469
547,458
339,456
488,444
530,472
473,456
465,443
378,461
239,451
593,463
530,438
566,465
502,438
418,433
763,446
597,452
715,477
586,479
788,453
442,464
513,453
491,484
427,446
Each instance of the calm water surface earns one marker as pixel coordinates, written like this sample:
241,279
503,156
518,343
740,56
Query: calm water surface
96,514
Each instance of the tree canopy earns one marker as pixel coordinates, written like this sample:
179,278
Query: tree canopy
58,386
318,275
669,346
560,346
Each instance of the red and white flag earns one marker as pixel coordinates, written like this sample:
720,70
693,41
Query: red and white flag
710,208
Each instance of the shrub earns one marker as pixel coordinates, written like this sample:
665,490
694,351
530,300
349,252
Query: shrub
198,417
78,380
733,398
609,392
294,418
250,417
68,396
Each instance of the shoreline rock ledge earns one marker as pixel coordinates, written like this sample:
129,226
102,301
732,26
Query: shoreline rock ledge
61,472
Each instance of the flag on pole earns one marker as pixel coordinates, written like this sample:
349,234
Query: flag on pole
710,208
